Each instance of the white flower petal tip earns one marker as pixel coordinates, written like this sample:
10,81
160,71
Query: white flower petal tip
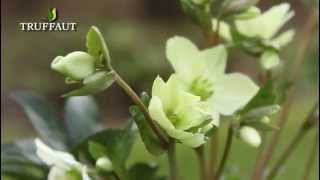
250,136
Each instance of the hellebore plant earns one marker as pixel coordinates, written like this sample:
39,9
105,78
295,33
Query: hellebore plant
257,32
188,108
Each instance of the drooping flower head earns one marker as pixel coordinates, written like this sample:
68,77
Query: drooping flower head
63,165
182,115
203,74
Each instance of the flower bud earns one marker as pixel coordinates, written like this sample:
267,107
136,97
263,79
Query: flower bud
104,163
265,120
250,136
76,65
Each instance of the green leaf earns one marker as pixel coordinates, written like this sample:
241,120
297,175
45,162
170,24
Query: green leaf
262,126
266,96
82,118
262,111
96,150
148,136
117,143
18,160
44,119
52,14
96,44
142,171
94,84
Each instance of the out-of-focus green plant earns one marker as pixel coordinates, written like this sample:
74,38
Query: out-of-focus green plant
186,109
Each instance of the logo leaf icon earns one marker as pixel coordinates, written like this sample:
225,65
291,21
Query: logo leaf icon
52,14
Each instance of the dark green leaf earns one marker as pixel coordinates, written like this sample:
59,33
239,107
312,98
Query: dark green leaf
82,118
118,144
44,119
149,138
94,84
96,150
96,44
141,171
18,160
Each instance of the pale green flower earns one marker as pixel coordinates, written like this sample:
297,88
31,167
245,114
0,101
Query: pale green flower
250,135
182,115
76,65
262,28
63,165
203,74
267,24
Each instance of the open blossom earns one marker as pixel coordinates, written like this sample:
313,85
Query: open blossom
263,27
203,74
182,115
63,165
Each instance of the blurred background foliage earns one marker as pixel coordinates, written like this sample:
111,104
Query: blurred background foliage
136,32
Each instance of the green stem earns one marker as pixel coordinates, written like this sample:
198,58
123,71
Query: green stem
214,147
202,163
225,153
310,162
172,161
135,98
287,152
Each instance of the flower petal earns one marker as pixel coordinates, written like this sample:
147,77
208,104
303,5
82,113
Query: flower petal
232,92
182,54
266,25
52,157
84,173
215,59
167,92
157,113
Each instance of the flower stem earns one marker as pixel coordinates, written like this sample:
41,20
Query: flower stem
287,152
310,162
265,156
225,153
172,161
214,147
135,98
202,163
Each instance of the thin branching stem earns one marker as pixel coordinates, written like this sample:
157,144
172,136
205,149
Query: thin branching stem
225,153
135,98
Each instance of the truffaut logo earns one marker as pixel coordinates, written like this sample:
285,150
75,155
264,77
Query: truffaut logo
50,24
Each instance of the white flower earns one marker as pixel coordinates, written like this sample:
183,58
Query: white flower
203,74
63,165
